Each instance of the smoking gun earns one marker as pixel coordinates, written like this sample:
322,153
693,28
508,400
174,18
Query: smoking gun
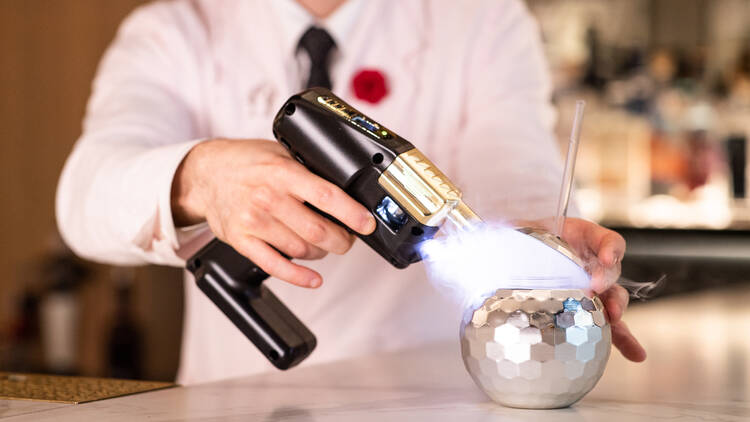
409,197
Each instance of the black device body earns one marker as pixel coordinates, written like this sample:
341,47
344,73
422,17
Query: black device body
341,145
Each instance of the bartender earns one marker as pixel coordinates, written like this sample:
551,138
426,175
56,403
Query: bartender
176,148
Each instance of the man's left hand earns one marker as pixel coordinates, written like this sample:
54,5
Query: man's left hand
602,250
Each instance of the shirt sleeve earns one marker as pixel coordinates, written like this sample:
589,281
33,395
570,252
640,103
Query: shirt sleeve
113,197
509,164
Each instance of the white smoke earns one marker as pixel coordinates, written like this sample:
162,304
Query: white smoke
468,265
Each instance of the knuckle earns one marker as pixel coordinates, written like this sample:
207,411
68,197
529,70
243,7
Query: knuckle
298,249
346,244
249,219
236,236
614,237
263,198
324,193
625,295
315,232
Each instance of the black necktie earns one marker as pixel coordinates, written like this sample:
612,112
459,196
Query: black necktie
318,45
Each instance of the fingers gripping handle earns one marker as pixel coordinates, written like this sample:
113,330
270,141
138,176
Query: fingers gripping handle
235,285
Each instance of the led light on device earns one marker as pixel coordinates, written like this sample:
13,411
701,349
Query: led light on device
391,214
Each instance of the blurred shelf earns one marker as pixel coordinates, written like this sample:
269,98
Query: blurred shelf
729,244
691,259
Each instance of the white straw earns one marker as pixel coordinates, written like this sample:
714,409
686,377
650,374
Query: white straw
570,164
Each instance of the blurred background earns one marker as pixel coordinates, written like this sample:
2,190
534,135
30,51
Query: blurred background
663,160
59,314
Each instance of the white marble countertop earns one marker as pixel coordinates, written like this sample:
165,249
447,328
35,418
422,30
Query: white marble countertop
698,370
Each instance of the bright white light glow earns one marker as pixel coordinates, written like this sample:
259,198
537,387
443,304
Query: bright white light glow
468,265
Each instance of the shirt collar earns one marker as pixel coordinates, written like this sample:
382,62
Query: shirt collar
295,20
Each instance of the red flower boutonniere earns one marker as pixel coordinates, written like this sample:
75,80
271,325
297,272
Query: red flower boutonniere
370,85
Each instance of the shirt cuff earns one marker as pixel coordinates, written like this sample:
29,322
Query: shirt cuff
160,239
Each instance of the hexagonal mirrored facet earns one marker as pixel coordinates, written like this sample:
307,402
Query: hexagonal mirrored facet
484,333
586,352
472,365
477,349
542,352
576,335
548,335
494,351
507,334
565,319
559,335
540,294
574,369
541,319
552,306
488,366
507,369
520,386
565,352
599,318
594,333
479,317
518,319
553,369
517,352
508,305
587,304
530,335
530,305
583,318
530,369
571,304
562,386
496,318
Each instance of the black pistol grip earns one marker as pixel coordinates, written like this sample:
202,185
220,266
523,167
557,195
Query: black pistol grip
235,285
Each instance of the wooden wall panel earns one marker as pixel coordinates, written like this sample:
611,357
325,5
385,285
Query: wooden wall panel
49,50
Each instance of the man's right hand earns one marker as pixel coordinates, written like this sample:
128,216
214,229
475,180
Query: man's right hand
252,194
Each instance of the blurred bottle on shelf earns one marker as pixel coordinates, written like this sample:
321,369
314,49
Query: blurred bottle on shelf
23,347
61,275
125,341
60,329
668,164
735,119
736,146
665,140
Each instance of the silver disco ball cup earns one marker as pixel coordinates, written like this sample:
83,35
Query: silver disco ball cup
536,349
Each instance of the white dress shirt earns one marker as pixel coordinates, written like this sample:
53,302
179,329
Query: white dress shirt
467,85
